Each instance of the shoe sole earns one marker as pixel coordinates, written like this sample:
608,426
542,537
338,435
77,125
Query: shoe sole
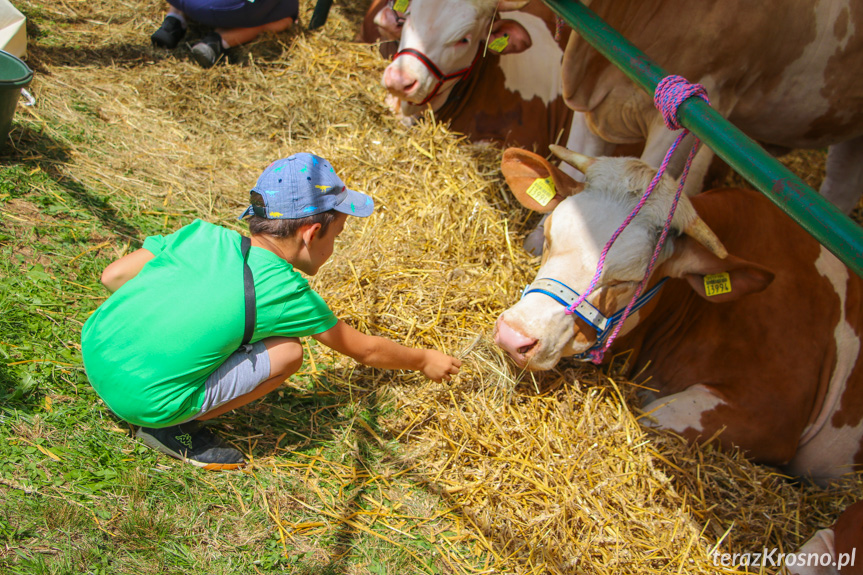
154,443
203,58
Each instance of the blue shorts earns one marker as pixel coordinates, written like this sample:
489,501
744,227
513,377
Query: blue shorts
237,13
238,375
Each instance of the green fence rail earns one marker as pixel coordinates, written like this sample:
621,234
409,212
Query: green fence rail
816,215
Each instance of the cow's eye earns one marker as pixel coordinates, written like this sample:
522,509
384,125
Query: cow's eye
465,40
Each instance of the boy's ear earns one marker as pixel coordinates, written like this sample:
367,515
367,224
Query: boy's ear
310,232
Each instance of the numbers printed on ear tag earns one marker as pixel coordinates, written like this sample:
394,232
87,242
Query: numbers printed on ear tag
542,190
499,44
401,5
716,284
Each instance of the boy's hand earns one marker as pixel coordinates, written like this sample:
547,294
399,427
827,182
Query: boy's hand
376,351
439,366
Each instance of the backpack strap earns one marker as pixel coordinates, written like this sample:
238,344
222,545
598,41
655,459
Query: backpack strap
249,291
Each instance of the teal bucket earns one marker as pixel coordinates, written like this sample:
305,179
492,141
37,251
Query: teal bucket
14,75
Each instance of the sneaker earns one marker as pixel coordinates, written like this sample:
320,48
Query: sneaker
208,50
192,443
169,33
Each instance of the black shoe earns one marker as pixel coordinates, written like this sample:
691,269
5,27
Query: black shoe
193,444
208,51
169,34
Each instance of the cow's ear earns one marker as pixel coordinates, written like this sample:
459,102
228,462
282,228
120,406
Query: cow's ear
716,280
508,37
536,183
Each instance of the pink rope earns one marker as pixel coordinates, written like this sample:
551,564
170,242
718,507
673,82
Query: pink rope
670,94
558,27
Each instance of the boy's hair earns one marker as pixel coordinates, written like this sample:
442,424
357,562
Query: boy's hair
287,228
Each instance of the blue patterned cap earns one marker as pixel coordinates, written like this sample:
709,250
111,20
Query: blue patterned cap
303,185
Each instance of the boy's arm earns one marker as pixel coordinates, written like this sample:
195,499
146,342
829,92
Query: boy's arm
122,270
384,353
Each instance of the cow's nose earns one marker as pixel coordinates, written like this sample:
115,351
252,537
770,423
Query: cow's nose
398,82
387,23
516,344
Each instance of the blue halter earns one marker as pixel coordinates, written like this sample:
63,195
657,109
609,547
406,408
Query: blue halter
566,296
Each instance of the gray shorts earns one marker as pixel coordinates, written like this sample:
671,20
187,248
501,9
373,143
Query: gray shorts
238,375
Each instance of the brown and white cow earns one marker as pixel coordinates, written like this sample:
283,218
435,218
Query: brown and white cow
785,73
510,97
755,338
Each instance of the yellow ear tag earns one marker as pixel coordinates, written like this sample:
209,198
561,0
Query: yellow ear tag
542,190
716,284
401,5
499,44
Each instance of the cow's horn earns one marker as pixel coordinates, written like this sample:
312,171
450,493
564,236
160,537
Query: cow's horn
701,233
574,159
509,5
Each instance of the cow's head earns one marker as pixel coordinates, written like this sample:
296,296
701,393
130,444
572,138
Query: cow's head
389,23
440,41
537,332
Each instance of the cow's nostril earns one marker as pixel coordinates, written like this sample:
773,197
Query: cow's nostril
525,349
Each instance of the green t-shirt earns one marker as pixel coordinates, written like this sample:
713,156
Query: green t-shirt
149,348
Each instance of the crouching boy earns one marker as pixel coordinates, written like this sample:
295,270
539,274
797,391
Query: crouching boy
164,350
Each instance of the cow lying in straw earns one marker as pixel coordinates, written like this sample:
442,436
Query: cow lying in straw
754,336
779,71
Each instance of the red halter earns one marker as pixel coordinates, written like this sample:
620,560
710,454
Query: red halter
439,76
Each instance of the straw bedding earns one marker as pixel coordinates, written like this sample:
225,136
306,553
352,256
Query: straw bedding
549,473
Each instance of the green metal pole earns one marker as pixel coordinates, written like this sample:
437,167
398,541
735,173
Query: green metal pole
807,207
